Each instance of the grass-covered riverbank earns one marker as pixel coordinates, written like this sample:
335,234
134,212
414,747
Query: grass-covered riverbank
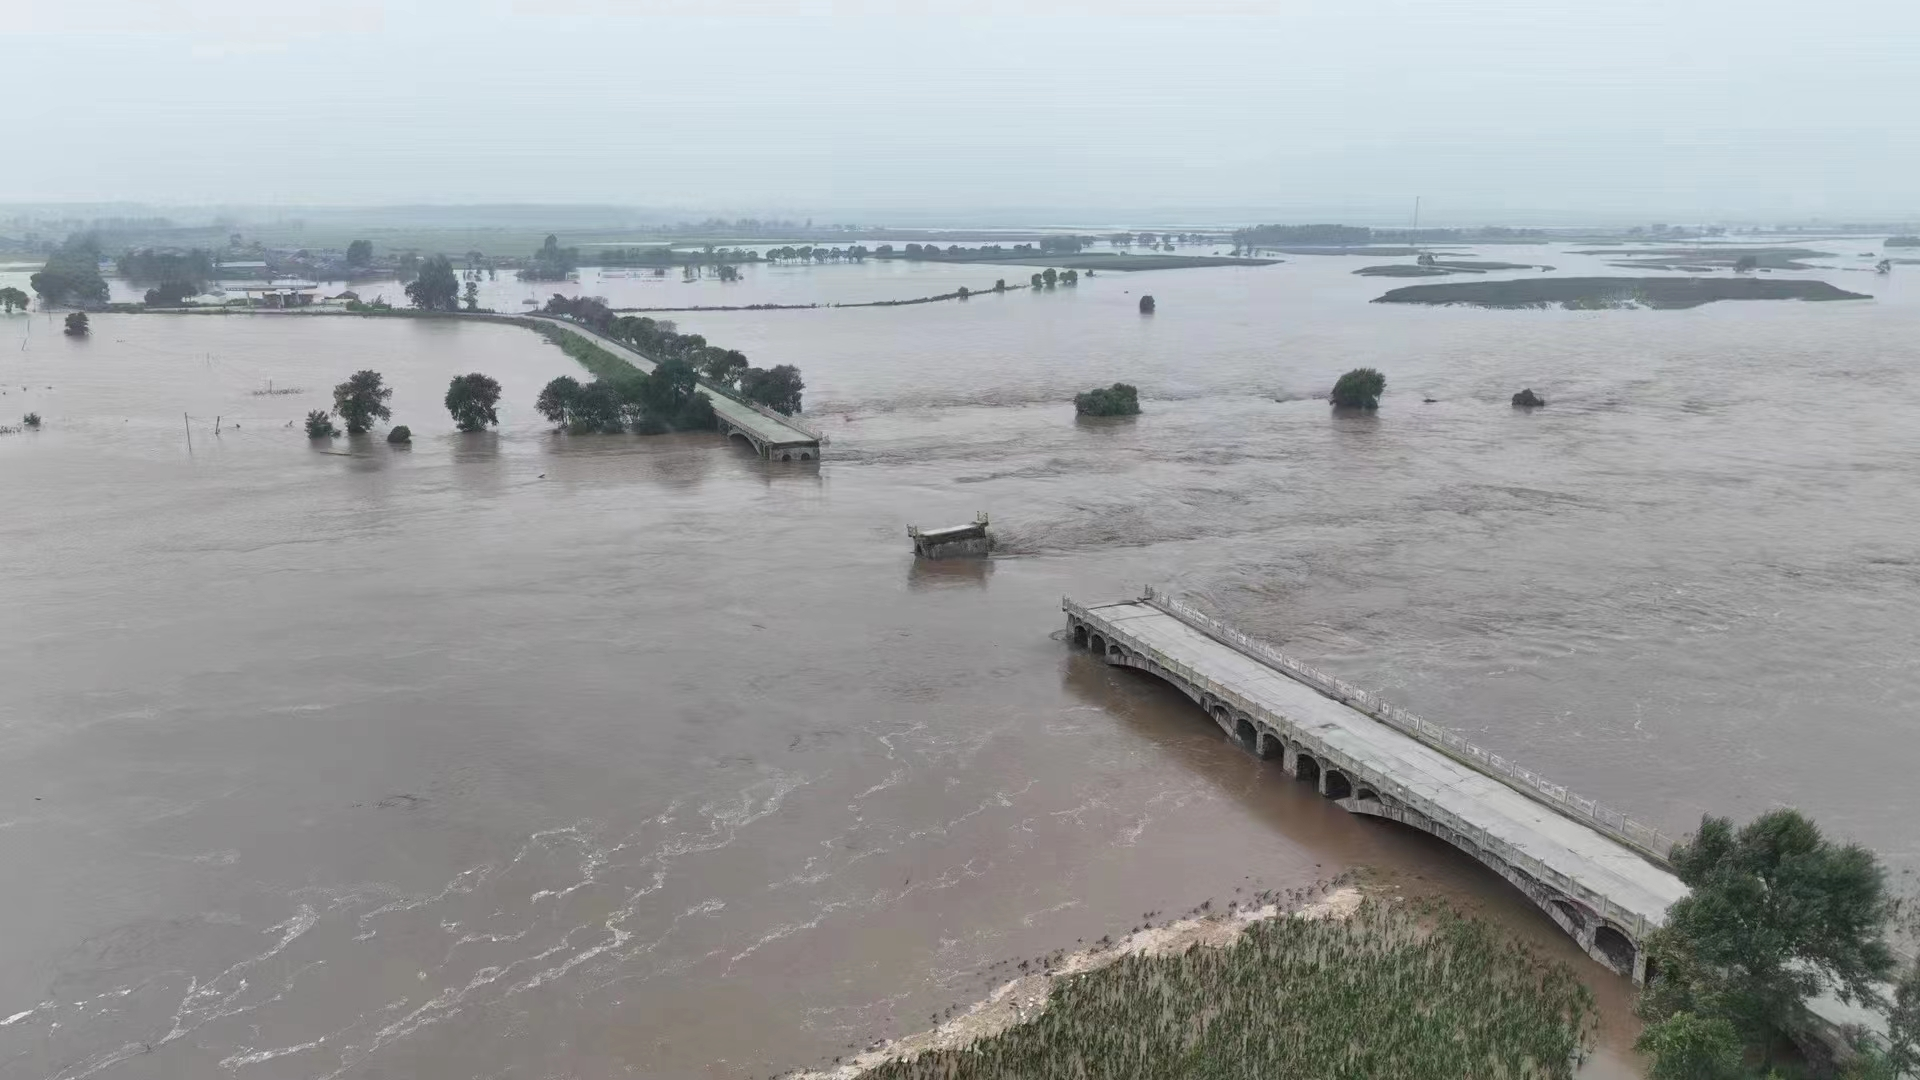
1383,991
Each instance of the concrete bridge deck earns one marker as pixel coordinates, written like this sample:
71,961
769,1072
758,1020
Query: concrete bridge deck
1584,865
775,437
1602,892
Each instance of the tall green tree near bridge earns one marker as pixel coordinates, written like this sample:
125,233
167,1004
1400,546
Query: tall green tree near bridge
1777,914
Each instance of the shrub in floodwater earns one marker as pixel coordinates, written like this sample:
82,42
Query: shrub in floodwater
1146,305
31,420
1120,399
1359,389
1527,399
320,425
1386,993
401,433
77,325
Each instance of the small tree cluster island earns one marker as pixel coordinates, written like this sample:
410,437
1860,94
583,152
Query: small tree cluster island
1359,389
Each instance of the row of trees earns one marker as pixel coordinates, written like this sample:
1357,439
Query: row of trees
146,264
807,253
1147,239
362,399
179,274
778,388
649,404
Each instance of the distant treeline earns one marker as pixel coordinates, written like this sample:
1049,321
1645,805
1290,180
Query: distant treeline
1354,235
71,277
1049,245
193,266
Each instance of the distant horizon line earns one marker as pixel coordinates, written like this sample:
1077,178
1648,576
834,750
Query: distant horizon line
622,215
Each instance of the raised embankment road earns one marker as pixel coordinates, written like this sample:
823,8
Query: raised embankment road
773,436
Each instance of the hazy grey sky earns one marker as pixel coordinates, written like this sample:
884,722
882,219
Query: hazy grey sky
1489,109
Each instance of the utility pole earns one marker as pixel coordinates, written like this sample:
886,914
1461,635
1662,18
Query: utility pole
188,424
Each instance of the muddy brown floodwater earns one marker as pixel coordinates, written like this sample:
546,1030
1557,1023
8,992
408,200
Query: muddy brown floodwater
519,755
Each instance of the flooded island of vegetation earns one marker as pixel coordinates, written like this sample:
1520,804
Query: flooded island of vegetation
1597,293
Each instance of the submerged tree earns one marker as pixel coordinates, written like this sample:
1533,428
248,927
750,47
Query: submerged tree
1120,399
77,325
557,398
471,400
320,425
360,253
12,299
436,288
472,296
72,274
1359,389
361,400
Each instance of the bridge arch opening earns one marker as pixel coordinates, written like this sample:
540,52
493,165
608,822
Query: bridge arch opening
1335,785
1572,913
1243,730
1366,794
786,457
1098,644
1306,768
804,456
1080,634
1617,949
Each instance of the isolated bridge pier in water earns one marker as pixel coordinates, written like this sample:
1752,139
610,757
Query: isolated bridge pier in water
1575,860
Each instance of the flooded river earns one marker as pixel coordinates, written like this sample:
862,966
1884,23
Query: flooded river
519,755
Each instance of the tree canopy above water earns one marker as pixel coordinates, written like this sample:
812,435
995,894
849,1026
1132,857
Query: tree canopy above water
1359,389
437,288
71,277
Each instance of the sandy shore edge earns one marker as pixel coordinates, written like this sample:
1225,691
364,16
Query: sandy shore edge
1024,998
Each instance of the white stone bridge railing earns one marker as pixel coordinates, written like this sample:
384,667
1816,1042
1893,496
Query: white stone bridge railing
1640,837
